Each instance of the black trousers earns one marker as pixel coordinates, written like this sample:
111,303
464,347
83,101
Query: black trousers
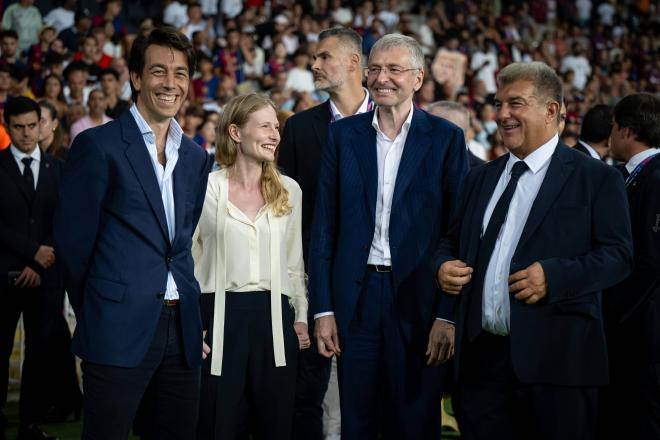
252,397
495,405
40,308
311,386
112,394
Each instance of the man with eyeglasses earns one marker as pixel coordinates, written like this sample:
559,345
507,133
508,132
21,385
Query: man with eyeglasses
388,180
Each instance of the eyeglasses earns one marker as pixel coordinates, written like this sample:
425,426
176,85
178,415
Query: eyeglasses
392,72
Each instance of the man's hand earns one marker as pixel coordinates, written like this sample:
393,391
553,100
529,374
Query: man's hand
453,275
28,278
529,284
205,347
441,343
45,256
303,335
327,338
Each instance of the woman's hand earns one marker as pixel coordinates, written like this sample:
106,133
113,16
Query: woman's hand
303,336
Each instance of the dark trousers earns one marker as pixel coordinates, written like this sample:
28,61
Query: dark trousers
495,405
311,386
112,394
385,389
40,308
252,397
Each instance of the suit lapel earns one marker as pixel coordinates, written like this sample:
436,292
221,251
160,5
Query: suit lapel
9,163
492,173
364,146
138,156
415,149
180,194
561,166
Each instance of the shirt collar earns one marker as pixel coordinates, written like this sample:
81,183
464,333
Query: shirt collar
175,133
404,128
364,107
639,158
538,158
19,155
590,149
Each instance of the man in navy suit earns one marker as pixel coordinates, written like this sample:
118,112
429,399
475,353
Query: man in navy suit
387,182
536,237
633,306
132,192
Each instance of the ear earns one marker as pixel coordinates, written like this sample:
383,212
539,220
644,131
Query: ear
552,112
234,133
419,80
354,60
135,80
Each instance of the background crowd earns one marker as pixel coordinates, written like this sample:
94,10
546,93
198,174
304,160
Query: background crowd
604,50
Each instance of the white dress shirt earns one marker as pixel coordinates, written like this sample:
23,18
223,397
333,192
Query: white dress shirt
593,153
636,159
34,166
495,308
164,177
364,107
388,152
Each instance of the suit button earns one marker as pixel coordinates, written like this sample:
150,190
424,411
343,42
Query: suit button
169,258
160,295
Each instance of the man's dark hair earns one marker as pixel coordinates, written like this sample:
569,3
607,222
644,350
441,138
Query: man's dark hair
165,36
640,113
597,124
19,106
75,66
9,33
19,72
108,71
347,37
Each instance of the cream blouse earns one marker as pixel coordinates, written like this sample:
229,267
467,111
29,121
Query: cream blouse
233,253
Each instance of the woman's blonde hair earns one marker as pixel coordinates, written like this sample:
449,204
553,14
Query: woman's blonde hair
237,112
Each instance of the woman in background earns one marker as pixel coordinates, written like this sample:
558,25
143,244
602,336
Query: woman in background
248,260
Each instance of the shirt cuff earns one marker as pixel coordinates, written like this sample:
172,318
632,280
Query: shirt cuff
320,315
446,320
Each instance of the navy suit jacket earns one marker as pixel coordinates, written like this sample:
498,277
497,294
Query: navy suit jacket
432,166
111,237
579,230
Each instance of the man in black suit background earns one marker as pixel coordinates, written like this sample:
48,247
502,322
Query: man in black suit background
338,70
633,306
595,132
536,236
30,283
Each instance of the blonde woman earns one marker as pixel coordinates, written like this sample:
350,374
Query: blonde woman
248,260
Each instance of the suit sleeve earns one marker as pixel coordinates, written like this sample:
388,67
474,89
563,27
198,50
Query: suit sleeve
18,243
286,158
447,249
83,187
323,231
610,259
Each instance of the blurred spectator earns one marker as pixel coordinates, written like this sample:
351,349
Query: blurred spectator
63,16
53,91
92,56
206,84
97,105
20,85
24,18
175,13
71,35
50,133
111,14
300,78
578,64
37,53
206,135
595,132
194,117
109,80
9,48
76,90
119,64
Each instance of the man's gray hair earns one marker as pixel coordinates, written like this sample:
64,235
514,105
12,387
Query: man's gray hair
391,41
545,80
346,37
442,108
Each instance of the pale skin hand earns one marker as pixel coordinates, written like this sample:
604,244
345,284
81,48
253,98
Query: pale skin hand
303,335
453,275
205,348
441,343
45,256
28,278
529,284
327,337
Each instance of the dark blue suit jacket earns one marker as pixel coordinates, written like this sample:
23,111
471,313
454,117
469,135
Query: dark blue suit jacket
579,230
111,238
432,166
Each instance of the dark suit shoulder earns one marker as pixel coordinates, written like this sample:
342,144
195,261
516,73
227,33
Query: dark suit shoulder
304,118
584,161
438,123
